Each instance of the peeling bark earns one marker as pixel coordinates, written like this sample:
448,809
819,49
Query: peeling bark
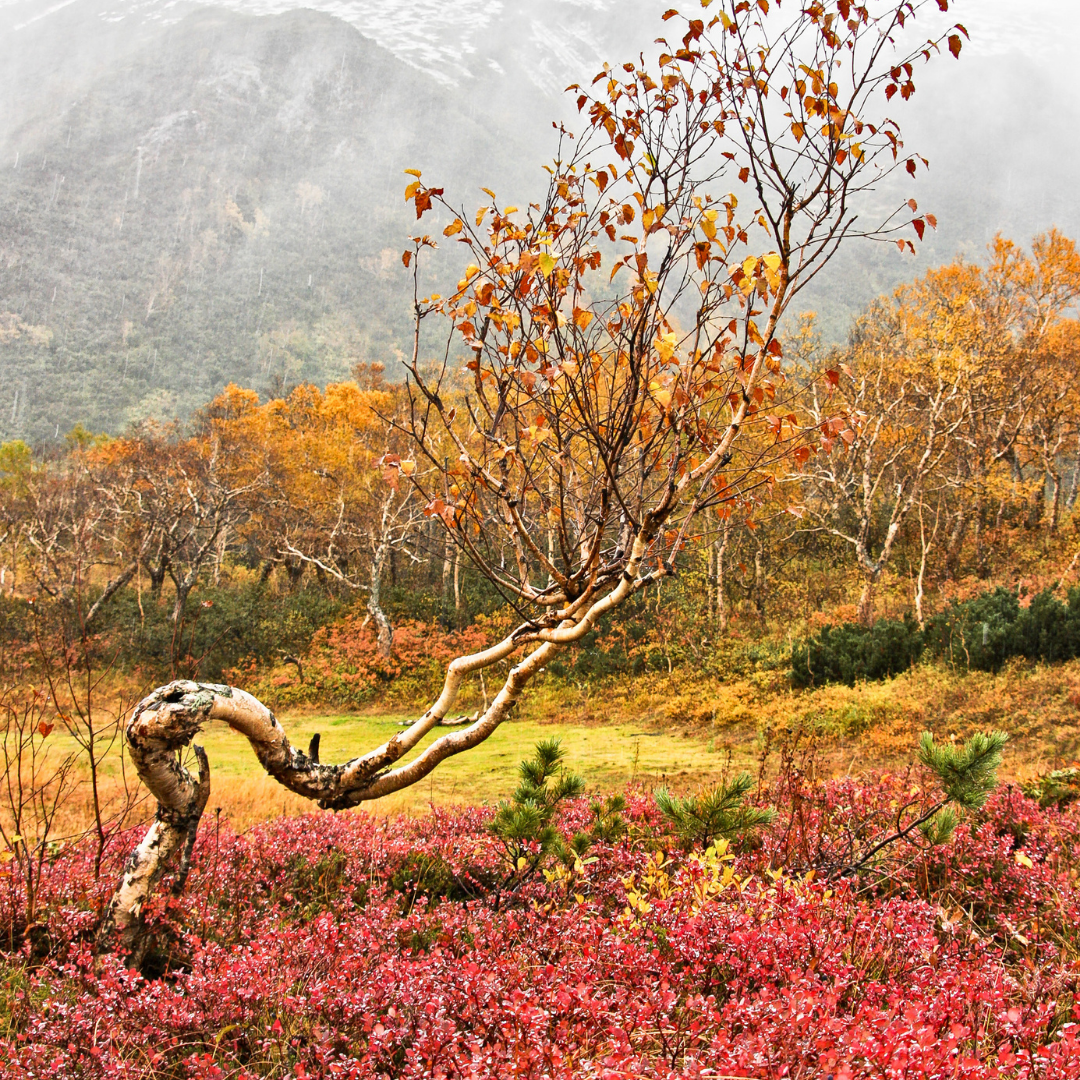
181,801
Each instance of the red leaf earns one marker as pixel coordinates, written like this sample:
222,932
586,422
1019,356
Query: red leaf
744,174
920,226
955,45
45,728
911,166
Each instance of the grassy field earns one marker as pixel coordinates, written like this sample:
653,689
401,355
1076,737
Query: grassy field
607,756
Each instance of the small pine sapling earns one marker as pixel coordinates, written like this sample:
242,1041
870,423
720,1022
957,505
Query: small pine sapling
967,775
524,824
720,813
608,825
939,829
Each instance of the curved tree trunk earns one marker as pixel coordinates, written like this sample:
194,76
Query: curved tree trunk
168,720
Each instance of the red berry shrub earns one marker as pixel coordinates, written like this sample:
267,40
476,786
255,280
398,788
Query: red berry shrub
340,947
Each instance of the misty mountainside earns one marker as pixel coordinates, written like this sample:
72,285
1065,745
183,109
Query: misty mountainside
225,204
192,195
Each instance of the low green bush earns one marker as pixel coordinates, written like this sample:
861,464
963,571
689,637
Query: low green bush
979,634
852,653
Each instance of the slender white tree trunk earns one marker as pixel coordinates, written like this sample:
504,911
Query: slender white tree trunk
457,580
384,632
721,598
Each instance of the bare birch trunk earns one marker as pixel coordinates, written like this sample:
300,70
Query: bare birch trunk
457,581
1055,501
925,545
866,601
759,579
219,554
446,564
169,719
711,579
721,598
384,632
1074,487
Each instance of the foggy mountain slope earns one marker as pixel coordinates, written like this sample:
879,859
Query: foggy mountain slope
225,204
206,193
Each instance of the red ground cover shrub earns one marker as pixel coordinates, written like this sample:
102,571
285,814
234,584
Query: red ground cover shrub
344,947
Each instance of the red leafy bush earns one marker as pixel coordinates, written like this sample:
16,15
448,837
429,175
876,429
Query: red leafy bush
341,947
343,665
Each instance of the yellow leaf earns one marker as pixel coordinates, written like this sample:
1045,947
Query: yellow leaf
6,856
579,898
666,344
1023,860
407,467
547,263
413,172
522,862
582,318
454,227
798,131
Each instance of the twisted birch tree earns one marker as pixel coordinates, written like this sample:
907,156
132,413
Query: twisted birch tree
620,350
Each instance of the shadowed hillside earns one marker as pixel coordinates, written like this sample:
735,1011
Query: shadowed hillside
223,205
